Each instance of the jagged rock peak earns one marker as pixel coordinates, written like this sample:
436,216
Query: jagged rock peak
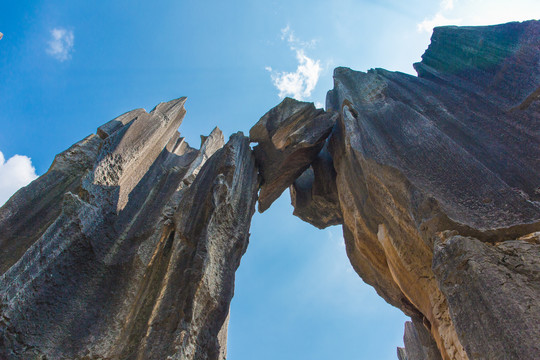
127,247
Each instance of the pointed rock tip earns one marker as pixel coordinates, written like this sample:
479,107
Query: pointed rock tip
216,132
118,122
341,70
215,137
166,107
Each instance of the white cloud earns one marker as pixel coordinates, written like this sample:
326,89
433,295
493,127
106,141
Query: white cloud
15,173
447,4
288,35
479,12
61,44
438,20
298,84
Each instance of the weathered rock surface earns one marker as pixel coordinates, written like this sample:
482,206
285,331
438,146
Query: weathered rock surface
289,138
40,203
419,344
457,148
314,194
493,294
127,247
139,262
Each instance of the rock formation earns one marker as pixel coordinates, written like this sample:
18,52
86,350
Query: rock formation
455,149
130,245
127,247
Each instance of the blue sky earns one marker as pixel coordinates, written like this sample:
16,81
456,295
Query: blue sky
67,67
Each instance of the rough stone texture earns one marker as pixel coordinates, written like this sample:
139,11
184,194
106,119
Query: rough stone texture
493,293
40,203
136,253
419,344
456,148
314,194
289,138
402,354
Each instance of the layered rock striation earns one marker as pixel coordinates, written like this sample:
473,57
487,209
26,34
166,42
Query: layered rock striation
425,172
455,149
136,259
127,247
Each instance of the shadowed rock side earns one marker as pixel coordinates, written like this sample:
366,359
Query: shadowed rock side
40,203
289,138
314,194
501,283
137,259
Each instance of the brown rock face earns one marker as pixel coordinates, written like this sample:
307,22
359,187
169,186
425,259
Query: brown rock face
127,247
456,148
289,138
138,260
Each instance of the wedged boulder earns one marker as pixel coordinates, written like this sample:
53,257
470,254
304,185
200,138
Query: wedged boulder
314,194
289,137
149,280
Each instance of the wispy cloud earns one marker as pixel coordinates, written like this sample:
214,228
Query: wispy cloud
439,19
288,35
447,4
15,173
479,12
298,84
60,46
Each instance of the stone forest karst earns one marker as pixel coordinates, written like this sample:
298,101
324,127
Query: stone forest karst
127,247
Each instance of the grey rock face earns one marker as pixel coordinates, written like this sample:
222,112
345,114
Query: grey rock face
402,354
289,138
314,194
419,344
139,261
493,294
40,203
